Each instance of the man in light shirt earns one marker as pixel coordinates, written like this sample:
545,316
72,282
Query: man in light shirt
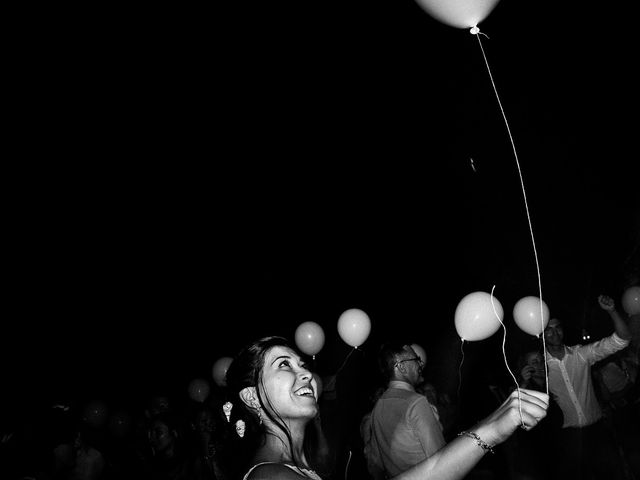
403,429
587,445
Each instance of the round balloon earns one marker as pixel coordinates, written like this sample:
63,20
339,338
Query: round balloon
458,13
420,352
219,370
309,338
526,314
631,300
354,327
119,424
199,390
95,413
475,318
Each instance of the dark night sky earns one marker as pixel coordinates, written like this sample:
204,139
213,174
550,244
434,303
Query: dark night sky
185,181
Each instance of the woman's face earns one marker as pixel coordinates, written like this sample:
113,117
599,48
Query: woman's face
160,437
204,421
288,384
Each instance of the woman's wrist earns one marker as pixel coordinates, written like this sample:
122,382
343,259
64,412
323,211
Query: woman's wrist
478,439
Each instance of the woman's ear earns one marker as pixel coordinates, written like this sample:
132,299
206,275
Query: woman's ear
248,396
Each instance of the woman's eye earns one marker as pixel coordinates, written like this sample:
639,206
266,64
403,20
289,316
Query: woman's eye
285,363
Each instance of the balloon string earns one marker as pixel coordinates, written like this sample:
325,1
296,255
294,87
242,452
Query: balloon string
345,360
504,354
346,469
460,368
524,195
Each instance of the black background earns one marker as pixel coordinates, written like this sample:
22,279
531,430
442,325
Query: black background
180,181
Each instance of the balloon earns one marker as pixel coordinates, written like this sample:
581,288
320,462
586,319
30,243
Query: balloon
219,370
458,13
319,384
199,390
631,300
526,313
119,424
475,318
420,351
354,327
309,338
95,413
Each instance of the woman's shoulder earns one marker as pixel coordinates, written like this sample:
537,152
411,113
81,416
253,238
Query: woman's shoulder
273,470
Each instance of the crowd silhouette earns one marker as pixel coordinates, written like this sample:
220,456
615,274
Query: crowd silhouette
208,432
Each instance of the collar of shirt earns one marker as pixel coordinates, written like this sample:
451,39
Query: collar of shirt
401,385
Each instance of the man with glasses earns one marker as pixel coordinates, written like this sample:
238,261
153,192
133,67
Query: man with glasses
403,429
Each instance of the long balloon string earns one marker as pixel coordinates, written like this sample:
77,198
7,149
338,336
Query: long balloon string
504,354
475,30
460,368
345,360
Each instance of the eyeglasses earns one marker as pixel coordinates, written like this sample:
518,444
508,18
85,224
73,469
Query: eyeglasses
412,359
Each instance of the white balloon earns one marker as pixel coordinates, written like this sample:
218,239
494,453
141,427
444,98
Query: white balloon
309,338
354,327
475,318
420,351
219,370
199,389
631,300
458,13
526,314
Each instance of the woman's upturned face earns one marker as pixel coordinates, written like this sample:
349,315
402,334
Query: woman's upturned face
288,384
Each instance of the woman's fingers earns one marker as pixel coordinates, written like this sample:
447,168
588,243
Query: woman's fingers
537,398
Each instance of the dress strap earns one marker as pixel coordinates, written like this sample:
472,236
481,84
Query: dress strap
308,473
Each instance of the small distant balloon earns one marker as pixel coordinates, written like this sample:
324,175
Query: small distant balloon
199,389
354,327
475,318
309,338
631,300
526,314
458,13
420,352
219,371
119,424
95,413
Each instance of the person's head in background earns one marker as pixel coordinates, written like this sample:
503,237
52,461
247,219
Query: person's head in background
398,361
554,333
165,433
532,369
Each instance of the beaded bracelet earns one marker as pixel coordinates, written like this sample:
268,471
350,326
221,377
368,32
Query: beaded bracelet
479,441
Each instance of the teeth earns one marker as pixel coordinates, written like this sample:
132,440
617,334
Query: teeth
304,391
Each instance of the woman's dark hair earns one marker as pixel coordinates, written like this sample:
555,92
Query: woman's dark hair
246,371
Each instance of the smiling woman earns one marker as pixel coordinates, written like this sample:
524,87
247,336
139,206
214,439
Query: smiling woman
278,393
278,396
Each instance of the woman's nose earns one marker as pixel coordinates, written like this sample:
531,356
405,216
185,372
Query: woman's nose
305,374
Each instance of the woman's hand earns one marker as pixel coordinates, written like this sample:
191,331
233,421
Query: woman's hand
524,409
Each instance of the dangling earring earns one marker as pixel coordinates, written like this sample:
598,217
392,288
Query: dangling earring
258,408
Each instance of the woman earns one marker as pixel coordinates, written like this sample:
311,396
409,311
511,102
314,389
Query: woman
278,392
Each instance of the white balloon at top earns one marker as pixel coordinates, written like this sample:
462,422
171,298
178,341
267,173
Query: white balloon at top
354,327
458,13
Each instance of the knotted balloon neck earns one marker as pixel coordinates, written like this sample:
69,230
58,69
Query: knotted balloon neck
475,31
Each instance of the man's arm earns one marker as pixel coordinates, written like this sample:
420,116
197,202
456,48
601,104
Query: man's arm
619,324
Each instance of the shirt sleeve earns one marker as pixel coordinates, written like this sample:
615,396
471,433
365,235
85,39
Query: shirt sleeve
426,426
596,351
